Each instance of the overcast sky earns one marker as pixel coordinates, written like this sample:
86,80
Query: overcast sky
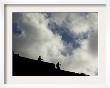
68,38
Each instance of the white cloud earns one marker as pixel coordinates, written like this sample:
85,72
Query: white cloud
76,22
38,40
82,60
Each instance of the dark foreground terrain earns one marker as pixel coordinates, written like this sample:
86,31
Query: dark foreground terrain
28,67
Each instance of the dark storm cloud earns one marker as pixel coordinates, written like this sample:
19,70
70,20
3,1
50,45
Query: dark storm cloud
93,43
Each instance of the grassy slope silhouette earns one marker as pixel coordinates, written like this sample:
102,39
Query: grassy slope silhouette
27,67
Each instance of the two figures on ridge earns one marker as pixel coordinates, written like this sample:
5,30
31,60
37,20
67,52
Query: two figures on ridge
57,65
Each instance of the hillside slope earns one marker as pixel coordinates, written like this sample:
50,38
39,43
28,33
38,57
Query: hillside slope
28,67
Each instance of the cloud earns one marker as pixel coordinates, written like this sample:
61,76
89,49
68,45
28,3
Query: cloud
48,35
38,40
93,43
77,22
82,60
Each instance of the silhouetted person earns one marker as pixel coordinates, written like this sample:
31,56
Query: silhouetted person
39,58
58,66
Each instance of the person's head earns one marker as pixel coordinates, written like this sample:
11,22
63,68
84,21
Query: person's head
39,56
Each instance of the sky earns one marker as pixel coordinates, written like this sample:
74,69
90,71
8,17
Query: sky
68,38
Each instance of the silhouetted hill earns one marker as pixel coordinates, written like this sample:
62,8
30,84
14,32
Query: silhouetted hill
28,67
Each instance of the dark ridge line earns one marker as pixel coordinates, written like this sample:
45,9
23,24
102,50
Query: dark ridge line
28,67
